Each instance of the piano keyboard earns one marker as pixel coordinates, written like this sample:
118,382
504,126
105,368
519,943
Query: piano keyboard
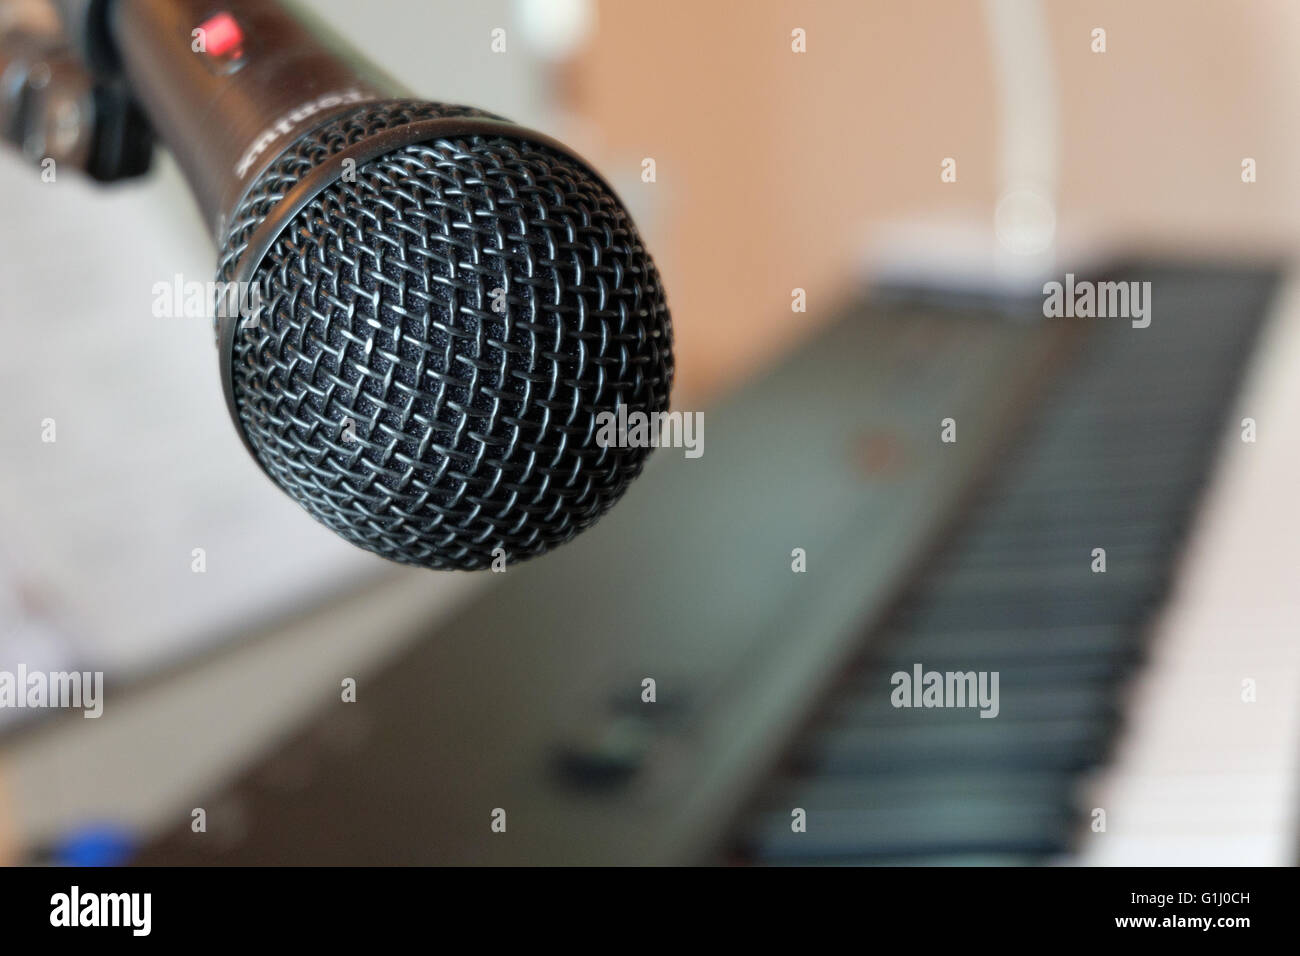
1072,435
1208,774
1121,448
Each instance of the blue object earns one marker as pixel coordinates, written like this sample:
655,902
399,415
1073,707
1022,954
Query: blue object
103,844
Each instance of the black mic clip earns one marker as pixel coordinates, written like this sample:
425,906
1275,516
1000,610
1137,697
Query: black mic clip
55,106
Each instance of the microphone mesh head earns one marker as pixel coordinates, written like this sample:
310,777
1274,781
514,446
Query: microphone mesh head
438,335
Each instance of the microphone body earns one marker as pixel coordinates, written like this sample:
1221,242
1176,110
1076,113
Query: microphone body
226,100
450,306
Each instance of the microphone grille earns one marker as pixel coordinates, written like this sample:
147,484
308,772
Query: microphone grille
309,151
437,338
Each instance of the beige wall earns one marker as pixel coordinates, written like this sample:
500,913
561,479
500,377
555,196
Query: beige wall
774,168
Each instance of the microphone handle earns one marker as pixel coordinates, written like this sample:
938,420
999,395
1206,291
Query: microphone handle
269,73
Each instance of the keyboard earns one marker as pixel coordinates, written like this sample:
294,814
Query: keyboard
1115,458
772,686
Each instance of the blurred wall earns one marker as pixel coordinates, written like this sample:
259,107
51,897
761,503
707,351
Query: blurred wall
775,169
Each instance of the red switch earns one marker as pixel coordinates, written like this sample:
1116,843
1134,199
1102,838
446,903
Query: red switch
223,37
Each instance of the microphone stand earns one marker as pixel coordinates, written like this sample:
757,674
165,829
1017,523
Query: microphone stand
61,99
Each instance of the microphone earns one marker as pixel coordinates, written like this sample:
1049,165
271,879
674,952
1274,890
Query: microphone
448,302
